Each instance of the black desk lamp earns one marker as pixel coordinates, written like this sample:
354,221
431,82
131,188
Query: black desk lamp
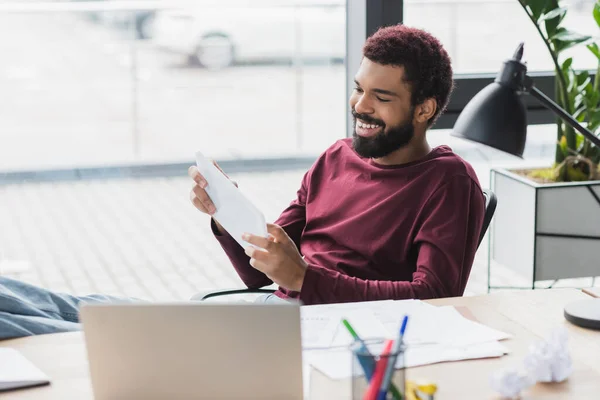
496,117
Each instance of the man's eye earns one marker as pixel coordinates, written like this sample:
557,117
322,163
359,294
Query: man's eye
382,100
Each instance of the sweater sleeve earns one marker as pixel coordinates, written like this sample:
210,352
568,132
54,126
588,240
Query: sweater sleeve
292,220
446,243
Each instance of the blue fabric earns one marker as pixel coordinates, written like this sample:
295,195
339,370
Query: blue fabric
27,310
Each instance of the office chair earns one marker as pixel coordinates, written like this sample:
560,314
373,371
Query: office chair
490,209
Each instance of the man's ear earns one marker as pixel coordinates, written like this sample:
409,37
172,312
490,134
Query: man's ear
426,110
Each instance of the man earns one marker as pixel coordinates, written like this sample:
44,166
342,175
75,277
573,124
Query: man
379,216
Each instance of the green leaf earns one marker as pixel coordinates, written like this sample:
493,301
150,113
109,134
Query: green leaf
594,117
597,12
579,139
553,19
565,35
580,114
536,7
593,47
583,78
557,12
564,45
567,64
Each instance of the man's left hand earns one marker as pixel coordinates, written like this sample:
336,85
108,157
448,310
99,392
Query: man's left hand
277,257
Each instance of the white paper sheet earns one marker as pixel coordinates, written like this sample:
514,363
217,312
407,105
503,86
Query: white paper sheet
323,328
337,363
234,211
16,371
459,330
427,324
318,328
433,334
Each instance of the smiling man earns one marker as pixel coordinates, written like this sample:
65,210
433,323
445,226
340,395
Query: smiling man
381,215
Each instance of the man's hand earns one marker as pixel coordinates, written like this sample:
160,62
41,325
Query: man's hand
280,260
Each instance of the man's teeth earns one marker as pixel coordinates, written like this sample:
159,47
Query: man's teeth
370,126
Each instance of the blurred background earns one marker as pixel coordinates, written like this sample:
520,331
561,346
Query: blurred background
110,82
90,87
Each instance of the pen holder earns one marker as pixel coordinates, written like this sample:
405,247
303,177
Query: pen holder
370,374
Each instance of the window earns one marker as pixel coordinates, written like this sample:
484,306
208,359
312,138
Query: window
480,35
103,83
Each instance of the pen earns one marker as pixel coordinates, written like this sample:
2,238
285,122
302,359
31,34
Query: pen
380,368
391,364
367,362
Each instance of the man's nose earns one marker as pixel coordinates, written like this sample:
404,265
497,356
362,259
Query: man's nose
363,106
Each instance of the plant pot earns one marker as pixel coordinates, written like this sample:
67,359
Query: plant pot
545,231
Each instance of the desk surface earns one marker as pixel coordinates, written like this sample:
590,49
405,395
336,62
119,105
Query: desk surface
593,291
527,315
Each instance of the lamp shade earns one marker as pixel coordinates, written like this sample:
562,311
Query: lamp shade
496,117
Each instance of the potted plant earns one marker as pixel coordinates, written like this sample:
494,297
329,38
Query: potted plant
547,224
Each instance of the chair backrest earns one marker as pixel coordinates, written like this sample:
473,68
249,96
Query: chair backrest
490,208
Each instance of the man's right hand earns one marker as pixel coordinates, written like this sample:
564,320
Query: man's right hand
198,196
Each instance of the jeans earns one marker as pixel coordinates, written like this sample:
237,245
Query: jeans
27,310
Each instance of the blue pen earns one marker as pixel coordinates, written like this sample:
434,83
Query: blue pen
389,370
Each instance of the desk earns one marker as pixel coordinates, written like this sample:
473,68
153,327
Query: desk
592,291
528,315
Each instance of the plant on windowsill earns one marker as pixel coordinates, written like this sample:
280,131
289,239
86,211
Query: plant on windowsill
576,158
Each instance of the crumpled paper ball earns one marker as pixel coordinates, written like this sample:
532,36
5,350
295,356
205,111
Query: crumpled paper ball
549,360
510,382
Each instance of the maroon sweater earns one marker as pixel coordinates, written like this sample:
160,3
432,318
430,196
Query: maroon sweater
373,232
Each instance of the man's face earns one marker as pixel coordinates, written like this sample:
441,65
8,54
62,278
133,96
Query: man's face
382,110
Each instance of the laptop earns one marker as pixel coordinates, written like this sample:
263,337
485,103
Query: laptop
193,350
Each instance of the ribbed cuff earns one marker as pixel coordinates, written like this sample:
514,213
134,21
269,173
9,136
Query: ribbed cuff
213,227
309,293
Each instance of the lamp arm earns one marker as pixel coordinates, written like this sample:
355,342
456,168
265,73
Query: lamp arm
546,101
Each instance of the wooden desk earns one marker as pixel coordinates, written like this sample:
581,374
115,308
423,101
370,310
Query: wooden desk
527,315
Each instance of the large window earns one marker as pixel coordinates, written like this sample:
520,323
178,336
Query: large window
480,35
103,82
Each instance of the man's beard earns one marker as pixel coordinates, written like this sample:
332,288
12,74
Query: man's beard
385,142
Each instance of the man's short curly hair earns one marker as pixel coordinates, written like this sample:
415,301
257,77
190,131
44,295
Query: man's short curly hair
427,65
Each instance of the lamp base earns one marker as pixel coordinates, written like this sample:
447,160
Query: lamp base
584,313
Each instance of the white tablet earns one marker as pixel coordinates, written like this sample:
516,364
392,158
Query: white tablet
234,211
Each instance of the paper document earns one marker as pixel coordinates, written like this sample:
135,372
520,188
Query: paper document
427,324
433,334
337,363
459,330
318,330
16,371
234,211
322,326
